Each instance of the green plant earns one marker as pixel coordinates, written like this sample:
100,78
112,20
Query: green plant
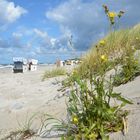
91,114
130,68
53,73
112,15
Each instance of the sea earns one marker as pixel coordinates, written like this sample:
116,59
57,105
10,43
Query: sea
2,66
6,66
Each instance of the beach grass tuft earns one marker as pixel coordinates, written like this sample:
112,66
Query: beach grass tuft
53,73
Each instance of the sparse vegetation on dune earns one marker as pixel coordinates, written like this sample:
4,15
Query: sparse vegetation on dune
23,132
54,73
118,46
90,113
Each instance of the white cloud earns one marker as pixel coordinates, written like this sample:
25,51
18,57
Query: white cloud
47,42
79,19
17,35
53,41
74,12
9,12
40,33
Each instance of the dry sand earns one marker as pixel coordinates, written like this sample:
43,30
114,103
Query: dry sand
24,94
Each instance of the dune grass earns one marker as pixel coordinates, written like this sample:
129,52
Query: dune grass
118,45
24,131
53,73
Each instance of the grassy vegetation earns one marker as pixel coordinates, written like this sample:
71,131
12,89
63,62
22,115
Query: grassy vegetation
119,48
91,115
24,131
130,69
54,73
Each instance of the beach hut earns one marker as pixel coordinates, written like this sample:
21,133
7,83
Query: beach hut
32,64
60,63
20,64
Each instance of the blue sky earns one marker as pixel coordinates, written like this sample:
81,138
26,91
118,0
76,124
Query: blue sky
42,29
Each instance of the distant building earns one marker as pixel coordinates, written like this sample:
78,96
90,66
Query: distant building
60,63
72,61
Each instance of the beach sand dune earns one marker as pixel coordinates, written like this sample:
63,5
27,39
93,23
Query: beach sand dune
24,94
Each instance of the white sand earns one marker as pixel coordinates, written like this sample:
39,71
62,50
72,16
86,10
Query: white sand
23,94
131,90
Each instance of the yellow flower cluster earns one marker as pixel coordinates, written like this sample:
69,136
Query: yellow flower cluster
102,43
75,120
92,136
103,58
112,14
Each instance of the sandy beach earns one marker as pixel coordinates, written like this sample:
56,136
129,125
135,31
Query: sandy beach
24,94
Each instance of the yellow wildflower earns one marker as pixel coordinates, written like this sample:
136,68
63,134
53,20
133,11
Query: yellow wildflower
75,120
102,42
112,14
103,58
92,136
137,38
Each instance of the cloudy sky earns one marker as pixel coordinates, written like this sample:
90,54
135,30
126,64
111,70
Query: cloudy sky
57,29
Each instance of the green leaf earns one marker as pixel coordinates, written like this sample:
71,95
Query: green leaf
119,97
90,129
124,100
104,137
